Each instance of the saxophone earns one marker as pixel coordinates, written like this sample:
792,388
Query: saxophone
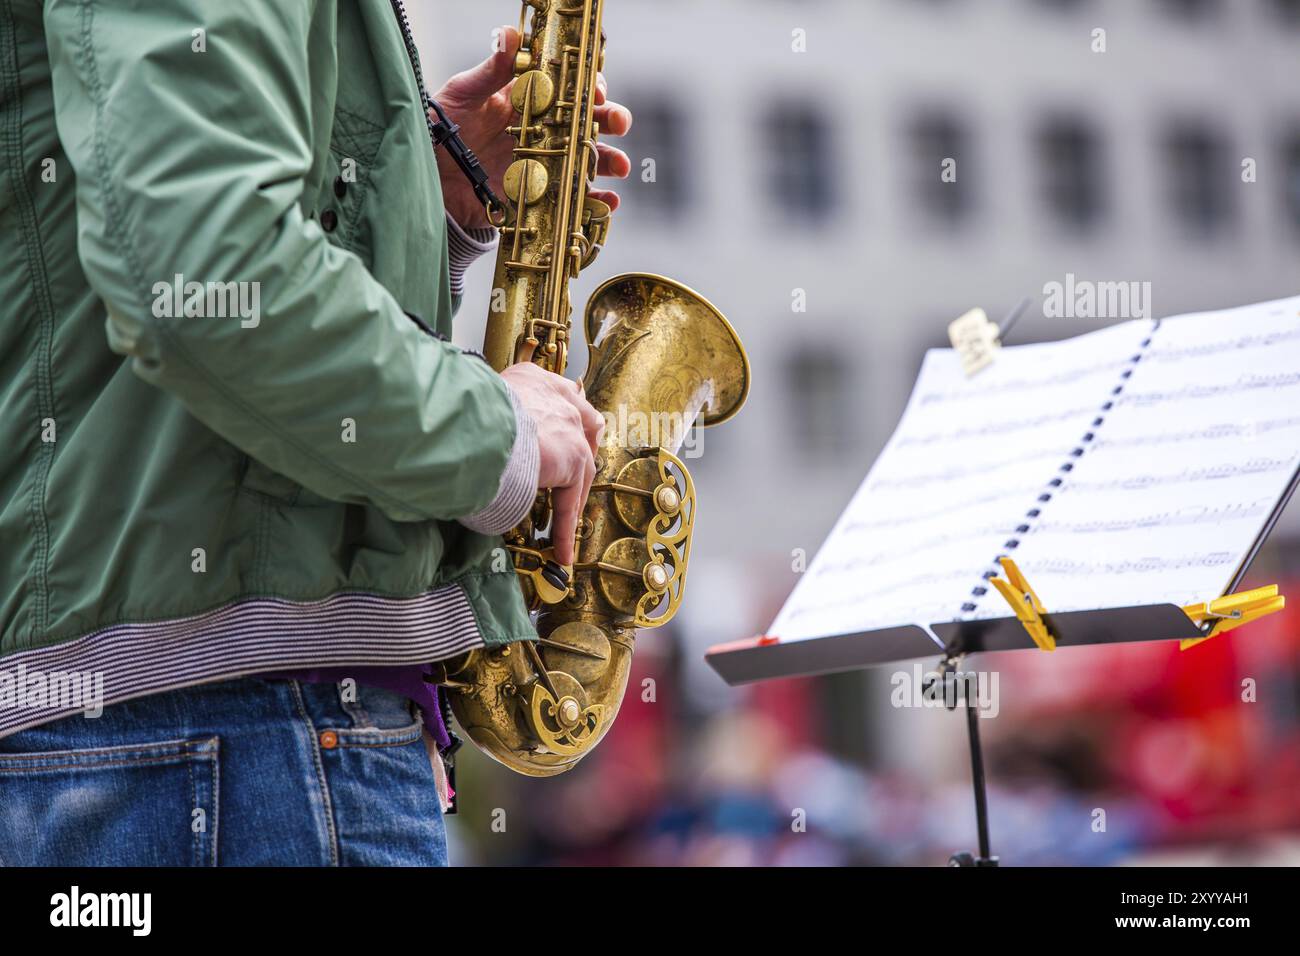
660,357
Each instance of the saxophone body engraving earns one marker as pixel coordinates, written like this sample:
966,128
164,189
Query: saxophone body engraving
660,357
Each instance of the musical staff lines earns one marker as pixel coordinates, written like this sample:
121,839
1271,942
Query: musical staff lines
1208,433
1222,346
1199,515
1217,472
1244,383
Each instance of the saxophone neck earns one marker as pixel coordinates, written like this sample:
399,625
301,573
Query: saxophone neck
551,229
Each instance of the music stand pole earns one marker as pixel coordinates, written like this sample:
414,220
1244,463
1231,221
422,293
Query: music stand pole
986,857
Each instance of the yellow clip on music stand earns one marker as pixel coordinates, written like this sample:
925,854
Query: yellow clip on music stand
1232,611
1024,601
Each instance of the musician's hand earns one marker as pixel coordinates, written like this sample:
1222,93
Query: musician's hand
479,101
569,430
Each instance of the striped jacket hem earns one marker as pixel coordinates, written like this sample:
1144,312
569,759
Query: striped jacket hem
258,636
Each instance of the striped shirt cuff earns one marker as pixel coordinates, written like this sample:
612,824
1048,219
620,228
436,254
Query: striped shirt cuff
464,246
518,488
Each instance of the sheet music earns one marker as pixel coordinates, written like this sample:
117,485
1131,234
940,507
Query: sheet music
1161,504
1183,473
952,484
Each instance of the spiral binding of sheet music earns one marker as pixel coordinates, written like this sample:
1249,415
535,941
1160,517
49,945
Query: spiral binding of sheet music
1054,485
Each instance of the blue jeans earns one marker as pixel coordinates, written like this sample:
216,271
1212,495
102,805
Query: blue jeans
241,773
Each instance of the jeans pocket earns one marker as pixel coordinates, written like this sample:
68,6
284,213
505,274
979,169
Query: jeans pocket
379,737
376,716
150,804
409,829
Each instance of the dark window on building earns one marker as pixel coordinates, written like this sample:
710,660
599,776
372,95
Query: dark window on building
942,167
818,381
1191,9
1288,11
660,187
1201,177
1072,175
801,170
1291,179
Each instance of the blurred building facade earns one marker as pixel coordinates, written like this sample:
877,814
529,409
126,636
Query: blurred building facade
788,161
784,177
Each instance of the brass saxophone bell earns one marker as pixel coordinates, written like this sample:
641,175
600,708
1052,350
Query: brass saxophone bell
661,358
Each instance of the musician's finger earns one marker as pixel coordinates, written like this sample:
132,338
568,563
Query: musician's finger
612,162
567,503
606,196
588,479
489,76
593,424
614,119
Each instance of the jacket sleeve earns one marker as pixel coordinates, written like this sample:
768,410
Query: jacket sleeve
190,166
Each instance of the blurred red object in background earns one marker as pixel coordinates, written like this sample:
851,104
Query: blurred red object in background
1207,737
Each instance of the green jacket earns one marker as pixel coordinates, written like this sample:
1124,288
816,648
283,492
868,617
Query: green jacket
183,464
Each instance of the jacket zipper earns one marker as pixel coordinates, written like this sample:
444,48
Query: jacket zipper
413,57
